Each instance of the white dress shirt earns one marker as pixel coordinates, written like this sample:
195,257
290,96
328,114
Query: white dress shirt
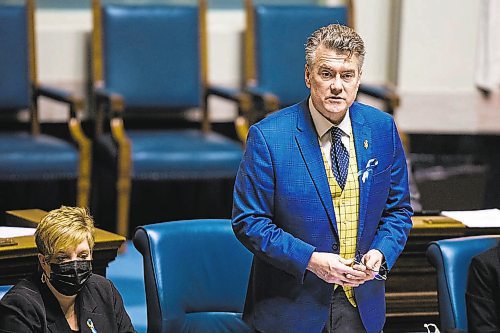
323,127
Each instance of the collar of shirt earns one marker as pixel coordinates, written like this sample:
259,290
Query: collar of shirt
324,125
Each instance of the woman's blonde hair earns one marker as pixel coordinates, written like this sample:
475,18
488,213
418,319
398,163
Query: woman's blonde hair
64,228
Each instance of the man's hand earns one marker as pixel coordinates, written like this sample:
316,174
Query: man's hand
332,268
372,261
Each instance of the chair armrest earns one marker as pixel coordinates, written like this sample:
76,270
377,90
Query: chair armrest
245,104
232,94
75,103
114,104
383,92
106,102
77,134
114,101
269,100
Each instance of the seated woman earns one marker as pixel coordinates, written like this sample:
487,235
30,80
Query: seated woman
64,295
483,292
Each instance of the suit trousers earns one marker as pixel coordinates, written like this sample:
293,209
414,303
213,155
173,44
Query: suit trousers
343,318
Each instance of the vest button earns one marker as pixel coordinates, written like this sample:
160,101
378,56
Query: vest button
335,247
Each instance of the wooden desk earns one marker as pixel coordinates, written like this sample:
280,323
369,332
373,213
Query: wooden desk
411,288
19,261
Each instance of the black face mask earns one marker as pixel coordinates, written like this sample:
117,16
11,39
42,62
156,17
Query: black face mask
69,278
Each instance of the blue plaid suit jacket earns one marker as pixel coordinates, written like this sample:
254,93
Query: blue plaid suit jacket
283,211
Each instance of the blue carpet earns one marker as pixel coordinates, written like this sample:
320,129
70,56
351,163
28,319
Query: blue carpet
126,272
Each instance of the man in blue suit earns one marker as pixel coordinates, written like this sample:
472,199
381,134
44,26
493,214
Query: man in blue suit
321,199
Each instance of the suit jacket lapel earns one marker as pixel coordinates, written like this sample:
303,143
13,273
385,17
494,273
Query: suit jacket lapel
362,142
87,311
53,311
307,141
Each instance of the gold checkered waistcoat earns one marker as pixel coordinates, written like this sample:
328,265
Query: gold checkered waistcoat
346,205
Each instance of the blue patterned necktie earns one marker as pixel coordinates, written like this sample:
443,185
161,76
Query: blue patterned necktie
340,157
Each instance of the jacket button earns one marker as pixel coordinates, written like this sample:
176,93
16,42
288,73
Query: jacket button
335,247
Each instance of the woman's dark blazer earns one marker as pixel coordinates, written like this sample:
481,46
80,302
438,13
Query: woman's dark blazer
483,293
30,306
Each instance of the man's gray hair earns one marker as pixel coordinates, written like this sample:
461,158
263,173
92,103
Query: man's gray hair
339,38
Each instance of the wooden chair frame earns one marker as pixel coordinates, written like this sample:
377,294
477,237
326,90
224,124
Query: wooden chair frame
75,105
114,104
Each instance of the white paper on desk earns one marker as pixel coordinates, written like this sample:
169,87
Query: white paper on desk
8,232
485,218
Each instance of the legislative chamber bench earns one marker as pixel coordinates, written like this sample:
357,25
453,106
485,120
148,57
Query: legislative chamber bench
411,288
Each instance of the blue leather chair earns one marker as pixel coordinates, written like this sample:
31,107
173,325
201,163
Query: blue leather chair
4,290
274,69
196,274
150,60
452,258
25,156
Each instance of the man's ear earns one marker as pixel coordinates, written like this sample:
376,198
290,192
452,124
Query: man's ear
359,77
306,77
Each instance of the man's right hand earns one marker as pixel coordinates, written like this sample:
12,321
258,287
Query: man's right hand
332,268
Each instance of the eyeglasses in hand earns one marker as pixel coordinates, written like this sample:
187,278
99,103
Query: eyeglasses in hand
380,275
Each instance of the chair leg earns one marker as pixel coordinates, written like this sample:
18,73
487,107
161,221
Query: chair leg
83,188
85,163
83,182
123,183
123,187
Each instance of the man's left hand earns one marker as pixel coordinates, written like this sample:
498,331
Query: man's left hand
372,260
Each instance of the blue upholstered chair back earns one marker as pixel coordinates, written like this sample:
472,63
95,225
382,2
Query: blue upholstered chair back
451,258
280,35
152,54
196,275
4,290
14,57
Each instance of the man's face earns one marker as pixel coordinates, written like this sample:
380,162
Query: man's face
334,81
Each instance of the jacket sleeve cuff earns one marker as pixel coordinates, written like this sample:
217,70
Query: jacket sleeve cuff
303,261
390,254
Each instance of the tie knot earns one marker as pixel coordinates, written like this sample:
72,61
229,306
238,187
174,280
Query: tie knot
336,133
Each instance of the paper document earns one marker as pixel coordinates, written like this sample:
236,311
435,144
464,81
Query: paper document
8,232
485,218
